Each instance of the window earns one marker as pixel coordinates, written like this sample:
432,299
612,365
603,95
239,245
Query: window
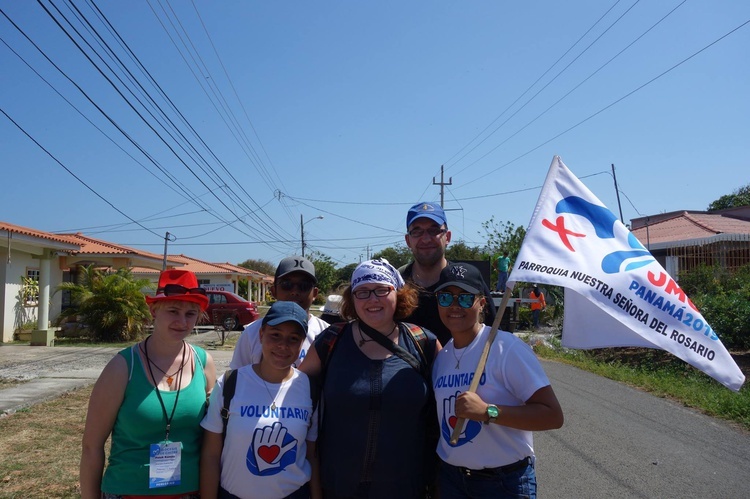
30,287
201,282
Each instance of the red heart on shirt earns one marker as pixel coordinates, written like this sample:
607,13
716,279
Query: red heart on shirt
452,421
269,453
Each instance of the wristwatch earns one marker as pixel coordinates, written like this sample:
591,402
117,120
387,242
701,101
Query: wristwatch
492,413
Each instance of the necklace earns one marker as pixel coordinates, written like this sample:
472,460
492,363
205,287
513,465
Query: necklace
363,340
170,377
273,399
459,357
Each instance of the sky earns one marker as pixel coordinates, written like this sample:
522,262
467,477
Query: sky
232,125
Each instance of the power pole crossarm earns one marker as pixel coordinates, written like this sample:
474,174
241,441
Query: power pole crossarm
442,185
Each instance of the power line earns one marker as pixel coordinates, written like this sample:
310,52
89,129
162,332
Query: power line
75,176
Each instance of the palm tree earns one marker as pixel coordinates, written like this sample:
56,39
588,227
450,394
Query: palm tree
110,304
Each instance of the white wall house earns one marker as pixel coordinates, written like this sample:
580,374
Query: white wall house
51,259
28,253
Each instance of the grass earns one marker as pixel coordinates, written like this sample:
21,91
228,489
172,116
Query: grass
662,375
41,448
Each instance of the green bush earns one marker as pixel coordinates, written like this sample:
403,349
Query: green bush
110,304
724,300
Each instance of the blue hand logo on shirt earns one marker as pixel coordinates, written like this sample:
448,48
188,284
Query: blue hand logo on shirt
471,428
272,450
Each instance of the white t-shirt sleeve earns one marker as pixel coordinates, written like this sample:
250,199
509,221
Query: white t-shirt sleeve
522,371
247,351
212,420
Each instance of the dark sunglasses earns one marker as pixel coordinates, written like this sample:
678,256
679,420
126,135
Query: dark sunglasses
176,289
363,294
465,300
432,231
302,286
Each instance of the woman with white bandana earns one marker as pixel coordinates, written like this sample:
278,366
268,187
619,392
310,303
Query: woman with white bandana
376,391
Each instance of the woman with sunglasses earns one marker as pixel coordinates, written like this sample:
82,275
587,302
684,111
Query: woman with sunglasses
151,398
376,394
494,454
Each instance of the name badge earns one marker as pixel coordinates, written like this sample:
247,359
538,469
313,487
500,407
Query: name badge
164,464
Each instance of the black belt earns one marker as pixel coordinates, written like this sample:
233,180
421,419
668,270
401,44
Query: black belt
490,472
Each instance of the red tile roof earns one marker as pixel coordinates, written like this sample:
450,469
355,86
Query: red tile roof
91,246
17,229
690,225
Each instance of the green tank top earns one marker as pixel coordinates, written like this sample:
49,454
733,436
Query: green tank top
141,422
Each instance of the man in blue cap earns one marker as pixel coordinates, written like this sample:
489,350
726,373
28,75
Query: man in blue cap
427,236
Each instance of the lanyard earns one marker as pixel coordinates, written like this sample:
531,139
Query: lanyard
158,392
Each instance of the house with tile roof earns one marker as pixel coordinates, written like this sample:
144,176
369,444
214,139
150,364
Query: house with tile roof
49,259
683,240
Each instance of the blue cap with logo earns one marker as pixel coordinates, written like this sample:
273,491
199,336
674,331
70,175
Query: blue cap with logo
433,211
286,311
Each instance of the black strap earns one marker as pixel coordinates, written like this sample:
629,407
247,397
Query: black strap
394,348
230,385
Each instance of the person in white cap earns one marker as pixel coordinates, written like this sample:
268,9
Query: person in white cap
375,391
331,311
294,281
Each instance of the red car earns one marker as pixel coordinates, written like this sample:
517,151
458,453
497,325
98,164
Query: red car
229,310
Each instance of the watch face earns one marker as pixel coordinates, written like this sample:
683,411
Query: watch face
492,411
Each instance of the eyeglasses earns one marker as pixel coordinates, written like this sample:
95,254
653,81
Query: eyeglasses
363,294
302,286
432,231
465,300
176,289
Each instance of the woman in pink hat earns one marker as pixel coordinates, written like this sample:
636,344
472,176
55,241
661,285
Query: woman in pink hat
151,398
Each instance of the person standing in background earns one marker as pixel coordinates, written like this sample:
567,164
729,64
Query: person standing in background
536,306
427,236
502,264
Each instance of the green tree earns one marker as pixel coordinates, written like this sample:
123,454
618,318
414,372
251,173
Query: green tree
503,236
110,304
262,266
344,276
397,256
325,272
460,251
740,197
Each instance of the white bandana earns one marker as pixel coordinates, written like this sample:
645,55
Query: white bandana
377,272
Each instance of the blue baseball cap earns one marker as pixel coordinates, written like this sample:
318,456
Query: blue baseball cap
433,211
286,311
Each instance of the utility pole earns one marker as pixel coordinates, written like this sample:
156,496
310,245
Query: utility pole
302,233
617,191
167,237
302,230
442,185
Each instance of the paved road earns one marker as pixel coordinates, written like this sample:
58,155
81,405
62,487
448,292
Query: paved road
617,442
50,371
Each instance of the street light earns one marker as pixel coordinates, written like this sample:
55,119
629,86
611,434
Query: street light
302,230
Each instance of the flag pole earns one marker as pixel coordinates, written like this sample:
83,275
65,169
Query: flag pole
482,360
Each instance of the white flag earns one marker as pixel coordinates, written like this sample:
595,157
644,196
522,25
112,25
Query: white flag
616,293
